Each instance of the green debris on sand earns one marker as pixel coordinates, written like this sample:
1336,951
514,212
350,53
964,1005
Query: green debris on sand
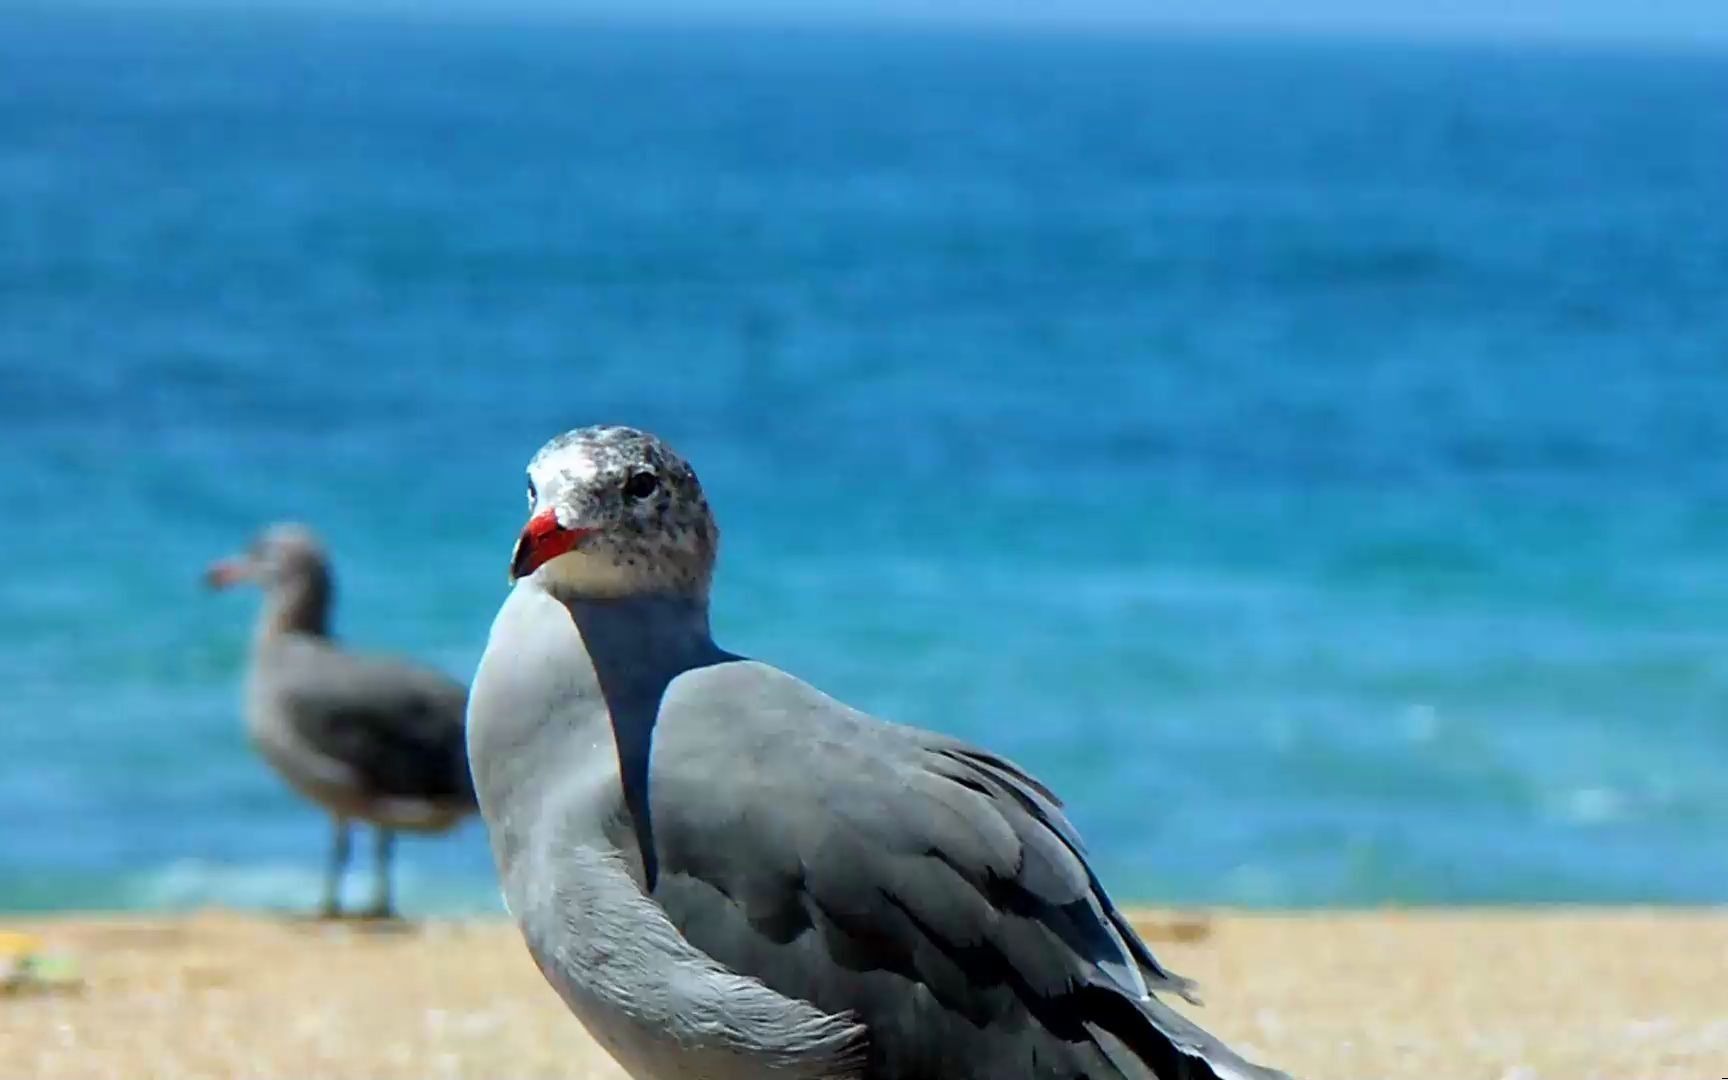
24,969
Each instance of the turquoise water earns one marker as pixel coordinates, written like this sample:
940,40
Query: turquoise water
1311,459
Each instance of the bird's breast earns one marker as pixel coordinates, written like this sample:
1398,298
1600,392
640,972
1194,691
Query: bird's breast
538,731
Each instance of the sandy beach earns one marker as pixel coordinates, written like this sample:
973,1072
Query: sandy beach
1463,995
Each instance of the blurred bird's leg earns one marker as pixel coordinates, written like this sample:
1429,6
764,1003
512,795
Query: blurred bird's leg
383,907
332,906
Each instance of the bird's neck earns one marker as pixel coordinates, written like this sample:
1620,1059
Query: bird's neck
299,605
638,644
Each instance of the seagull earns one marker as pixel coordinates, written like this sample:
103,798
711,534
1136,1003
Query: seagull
370,739
727,874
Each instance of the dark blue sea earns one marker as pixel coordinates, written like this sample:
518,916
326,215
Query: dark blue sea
1311,458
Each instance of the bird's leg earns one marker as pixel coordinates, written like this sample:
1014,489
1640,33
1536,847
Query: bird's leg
382,905
332,906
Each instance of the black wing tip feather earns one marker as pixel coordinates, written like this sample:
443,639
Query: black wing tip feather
1201,1054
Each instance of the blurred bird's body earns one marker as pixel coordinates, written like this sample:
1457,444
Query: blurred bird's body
370,739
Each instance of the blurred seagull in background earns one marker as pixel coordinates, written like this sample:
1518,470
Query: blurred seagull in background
370,739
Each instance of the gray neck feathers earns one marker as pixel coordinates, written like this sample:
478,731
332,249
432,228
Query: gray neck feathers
298,603
638,645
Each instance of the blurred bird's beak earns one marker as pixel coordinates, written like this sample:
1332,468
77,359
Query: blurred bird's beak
542,540
226,572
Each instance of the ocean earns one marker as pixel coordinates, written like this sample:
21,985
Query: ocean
1311,458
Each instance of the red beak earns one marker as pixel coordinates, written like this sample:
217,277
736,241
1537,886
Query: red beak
225,572
543,540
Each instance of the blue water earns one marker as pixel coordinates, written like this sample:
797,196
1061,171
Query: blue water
1311,459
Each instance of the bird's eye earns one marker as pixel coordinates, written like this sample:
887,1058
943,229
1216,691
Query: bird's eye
641,485
532,497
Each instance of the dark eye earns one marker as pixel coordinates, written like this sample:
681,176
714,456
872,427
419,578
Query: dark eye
641,485
531,494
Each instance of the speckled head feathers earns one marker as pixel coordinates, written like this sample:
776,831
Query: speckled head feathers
646,524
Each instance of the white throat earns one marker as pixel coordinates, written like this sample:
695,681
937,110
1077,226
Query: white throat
593,575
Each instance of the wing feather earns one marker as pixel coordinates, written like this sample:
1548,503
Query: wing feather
397,726
935,891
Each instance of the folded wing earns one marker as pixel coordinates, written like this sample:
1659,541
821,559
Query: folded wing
934,891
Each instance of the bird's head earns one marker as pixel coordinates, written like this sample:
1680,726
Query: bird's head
612,512
282,554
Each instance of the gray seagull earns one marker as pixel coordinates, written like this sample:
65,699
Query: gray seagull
728,875
371,739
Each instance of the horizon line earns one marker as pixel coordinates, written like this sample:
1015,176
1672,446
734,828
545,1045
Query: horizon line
537,13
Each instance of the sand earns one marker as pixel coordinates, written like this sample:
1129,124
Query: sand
1458,995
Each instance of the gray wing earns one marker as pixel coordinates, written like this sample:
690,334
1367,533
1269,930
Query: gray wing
397,726
933,890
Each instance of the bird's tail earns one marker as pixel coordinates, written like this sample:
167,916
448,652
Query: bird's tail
1206,1057
1148,1040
